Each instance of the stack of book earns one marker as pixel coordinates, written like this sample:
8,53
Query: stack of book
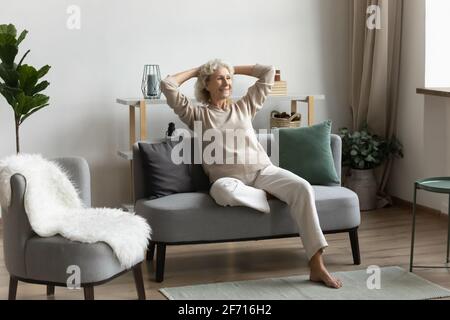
279,88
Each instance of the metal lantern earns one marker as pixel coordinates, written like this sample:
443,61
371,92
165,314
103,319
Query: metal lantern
150,82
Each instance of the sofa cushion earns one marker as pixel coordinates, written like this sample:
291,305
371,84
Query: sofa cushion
307,153
192,217
163,176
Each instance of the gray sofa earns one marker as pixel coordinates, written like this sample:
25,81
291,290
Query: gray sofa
190,218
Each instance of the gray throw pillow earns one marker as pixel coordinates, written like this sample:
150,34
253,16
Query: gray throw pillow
162,176
199,177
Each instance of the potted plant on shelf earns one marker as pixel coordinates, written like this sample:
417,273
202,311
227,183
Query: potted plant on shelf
19,83
362,152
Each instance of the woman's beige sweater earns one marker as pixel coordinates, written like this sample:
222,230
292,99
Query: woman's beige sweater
238,157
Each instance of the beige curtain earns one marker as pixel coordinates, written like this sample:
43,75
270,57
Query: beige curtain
375,71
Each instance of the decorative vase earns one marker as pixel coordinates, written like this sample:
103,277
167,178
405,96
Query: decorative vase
151,78
364,184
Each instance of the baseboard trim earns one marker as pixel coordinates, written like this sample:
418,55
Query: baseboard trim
407,204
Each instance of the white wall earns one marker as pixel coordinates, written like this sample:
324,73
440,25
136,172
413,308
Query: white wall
91,67
422,120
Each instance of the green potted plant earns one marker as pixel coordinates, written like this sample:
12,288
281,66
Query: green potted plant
362,152
19,83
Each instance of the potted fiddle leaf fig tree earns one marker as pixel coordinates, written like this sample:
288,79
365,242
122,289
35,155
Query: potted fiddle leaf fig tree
20,83
362,152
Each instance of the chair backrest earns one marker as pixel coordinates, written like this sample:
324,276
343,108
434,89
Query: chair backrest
266,140
16,226
78,171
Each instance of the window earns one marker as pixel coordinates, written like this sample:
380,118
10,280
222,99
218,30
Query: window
437,70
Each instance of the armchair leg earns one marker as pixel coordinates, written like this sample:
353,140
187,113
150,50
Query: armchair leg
160,261
151,251
89,293
50,290
355,246
12,288
138,281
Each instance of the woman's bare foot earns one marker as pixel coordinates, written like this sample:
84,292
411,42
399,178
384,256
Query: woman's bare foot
320,274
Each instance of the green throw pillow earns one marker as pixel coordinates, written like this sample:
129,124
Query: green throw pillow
307,153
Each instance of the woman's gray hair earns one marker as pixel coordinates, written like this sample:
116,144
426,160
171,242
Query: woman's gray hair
206,70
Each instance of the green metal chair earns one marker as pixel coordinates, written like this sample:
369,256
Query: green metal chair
438,185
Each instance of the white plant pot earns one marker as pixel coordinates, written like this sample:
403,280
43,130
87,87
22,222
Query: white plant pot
364,184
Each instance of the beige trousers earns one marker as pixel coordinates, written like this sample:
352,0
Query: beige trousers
297,193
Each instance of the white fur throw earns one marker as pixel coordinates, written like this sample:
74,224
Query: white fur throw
54,207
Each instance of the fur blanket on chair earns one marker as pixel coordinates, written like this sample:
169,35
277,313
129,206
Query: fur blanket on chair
54,207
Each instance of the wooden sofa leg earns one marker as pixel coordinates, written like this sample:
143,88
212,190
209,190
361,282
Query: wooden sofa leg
12,288
50,290
160,260
89,293
138,281
151,251
355,246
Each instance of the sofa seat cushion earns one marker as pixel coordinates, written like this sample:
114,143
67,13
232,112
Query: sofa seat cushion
188,217
48,259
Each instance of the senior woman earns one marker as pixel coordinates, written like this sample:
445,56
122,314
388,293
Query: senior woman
217,112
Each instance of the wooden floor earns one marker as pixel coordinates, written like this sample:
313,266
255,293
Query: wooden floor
384,237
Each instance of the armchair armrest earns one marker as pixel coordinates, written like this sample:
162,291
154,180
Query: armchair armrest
16,228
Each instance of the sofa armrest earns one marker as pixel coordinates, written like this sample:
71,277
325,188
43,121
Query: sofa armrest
336,149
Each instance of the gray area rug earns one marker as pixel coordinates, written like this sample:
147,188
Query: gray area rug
395,284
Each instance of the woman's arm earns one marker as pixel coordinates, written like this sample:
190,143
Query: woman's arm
184,76
256,94
180,104
244,70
